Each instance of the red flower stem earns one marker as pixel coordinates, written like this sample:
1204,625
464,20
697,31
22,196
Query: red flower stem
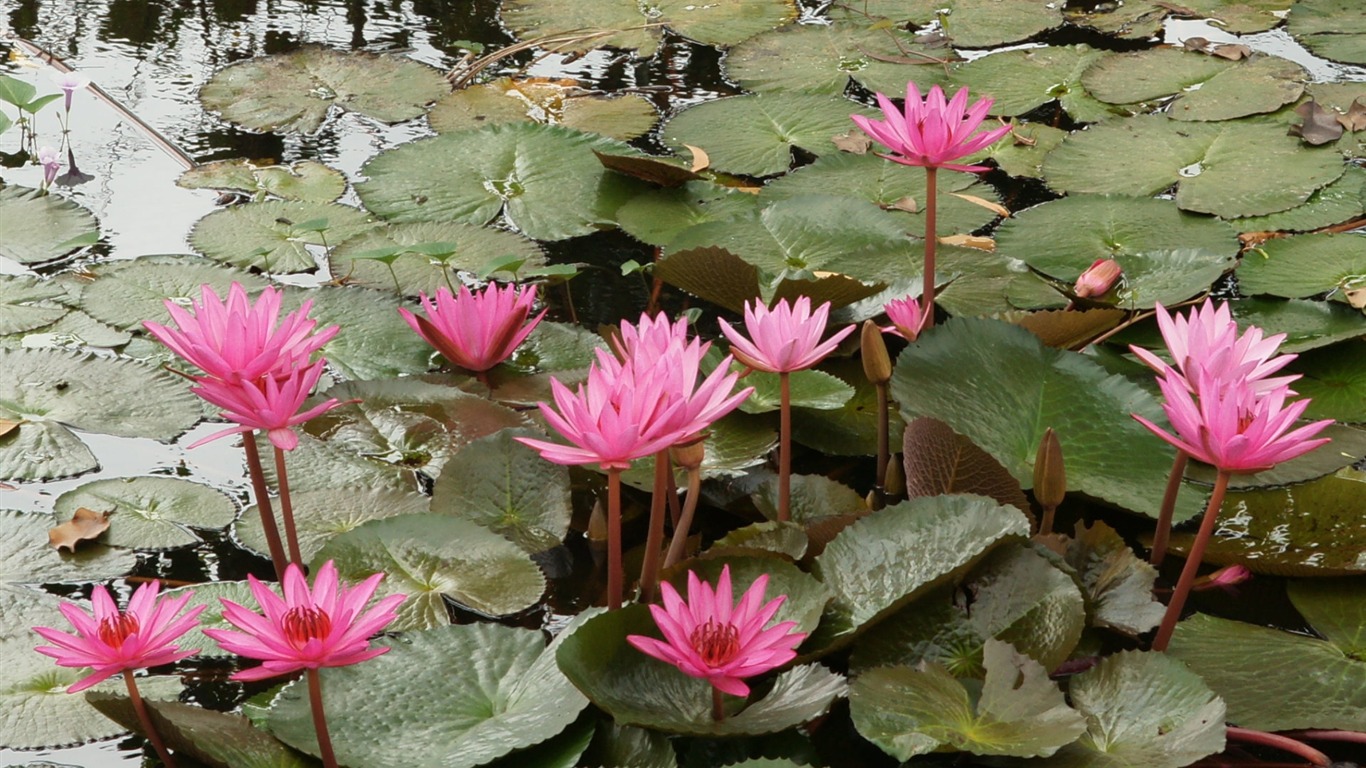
884,449
1356,737
784,448
258,487
931,240
1164,516
315,701
654,538
718,707
287,509
145,717
1183,585
680,538
1283,743
672,497
614,574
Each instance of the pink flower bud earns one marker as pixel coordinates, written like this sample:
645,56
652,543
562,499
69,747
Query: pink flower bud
1098,278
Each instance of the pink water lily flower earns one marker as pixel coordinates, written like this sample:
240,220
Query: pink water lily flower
1207,339
235,340
709,636
932,132
784,339
114,641
908,320
327,626
270,404
1098,278
476,331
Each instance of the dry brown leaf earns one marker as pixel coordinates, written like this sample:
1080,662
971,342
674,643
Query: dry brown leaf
1197,44
939,460
1320,126
853,140
994,207
1356,297
1355,119
1232,52
1068,330
7,426
970,241
85,525
907,204
700,159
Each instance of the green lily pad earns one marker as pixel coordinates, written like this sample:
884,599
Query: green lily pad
1144,709
1279,696
150,512
810,388
216,739
318,465
967,23
1020,388
323,513
655,217
1021,152
887,559
639,27
75,330
782,537
1310,529
431,558
1332,29
306,180
293,92
500,692
544,179
27,303
815,498
208,594
422,256
1307,324
1208,162
755,134
1206,87
1254,86
507,487
508,100
26,557
1149,75
274,235
40,227
821,59
1117,584
124,293
1017,711
1334,379
1141,19
625,746
22,608
1338,202
636,689
1023,80
1305,265
374,341
1167,255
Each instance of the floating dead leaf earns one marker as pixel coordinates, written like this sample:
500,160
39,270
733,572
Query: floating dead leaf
1356,297
654,170
84,525
1070,330
970,241
939,460
700,159
907,204
1197,44
1320,126
853,140
990,205
7,426
1355,119
1232,51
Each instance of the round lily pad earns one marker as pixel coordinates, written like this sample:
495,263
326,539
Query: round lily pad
1118,585
1333,29
1334,380
27,303
1207,87
293,92
28,559
1338,202
1307,324
150,512
424,256
500,691
323,513
718,24
274,235
125,293
1148,75
1166,255
539,100
75,330
1022,151
782,537
40,227
1023,80
967,23
808,389
430,558
655,217
307,180
374,341
544,179
1305,265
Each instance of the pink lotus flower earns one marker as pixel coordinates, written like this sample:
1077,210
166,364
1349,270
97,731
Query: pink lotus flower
651,337
270,403
1098,278
931,133
1207,339
237,341
327,626
1233,426
112,641
476,331
711,638
784,339
907,318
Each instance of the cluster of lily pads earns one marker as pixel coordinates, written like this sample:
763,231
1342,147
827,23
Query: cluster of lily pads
947,622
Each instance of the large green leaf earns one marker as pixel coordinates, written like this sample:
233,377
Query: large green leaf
1333,29
1306,324
1018,389
26,557
508,100
1142,19
322,513
1209,162
40,227
217,739
307,180
639,26
125,293
1017,711
1334,380
655,217
374,340
499,690
1305,265
429,558
402,255
544,179
1144,709
27,303
1207,87
292,92
275,235
1336,203
967,23
1148,75
1023,80
1167,255
1117,584
810,388
636,689
150,512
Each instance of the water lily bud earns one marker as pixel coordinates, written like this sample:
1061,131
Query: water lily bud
690,455
1098,278
597,524
1224,578
1050,476
895,485
877,364
873,501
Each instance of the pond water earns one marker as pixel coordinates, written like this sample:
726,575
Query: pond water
154,55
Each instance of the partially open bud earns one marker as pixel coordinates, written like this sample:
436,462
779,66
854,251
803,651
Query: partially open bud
1098,278
1050,476
691,454
1224,578
877,364
907,319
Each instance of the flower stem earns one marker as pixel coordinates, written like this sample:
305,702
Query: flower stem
884,450
287,509
1046,524
262,493
931,240
1183,585
614,574
680,538
654,539
718,707
1283,743
315,701
1356,737
145,717
1164,516
785,447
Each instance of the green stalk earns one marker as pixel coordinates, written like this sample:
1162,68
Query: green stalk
1183,585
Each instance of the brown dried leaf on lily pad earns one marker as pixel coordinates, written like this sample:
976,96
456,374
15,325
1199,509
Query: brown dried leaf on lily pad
979,242
84,525
1320,125
1070,329
1355,119
7,426
700,159
853,140
939,461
